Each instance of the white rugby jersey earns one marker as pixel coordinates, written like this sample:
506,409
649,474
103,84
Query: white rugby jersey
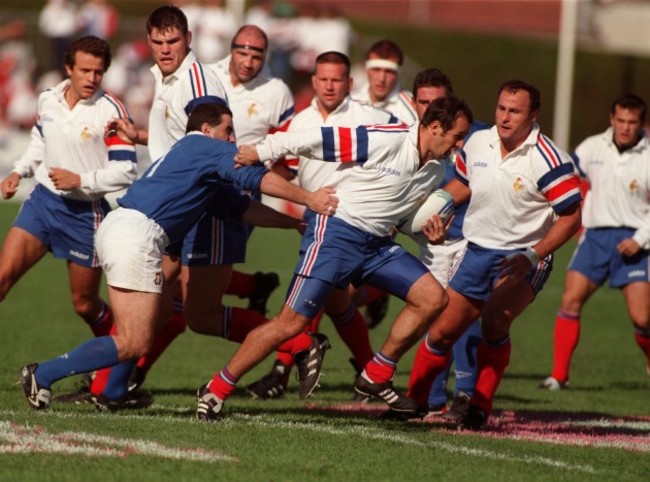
313,174
514,199
399,103
620,185
74,140
259,107
174,98
384,182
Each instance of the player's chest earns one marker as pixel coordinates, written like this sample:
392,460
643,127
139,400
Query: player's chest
83,125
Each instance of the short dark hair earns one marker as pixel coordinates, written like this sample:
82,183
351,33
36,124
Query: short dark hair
167,17
631,102
386,49
333,57
432,78
445,110
92,45
210,113
533,92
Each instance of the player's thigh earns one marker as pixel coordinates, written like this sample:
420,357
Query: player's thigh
577,290
508,300
20,251
135,315
338,302
637,299
84,285
460,312
203,289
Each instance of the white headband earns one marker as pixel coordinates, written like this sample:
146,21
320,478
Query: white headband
382,64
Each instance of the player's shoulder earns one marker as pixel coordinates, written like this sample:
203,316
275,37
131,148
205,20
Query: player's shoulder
113,104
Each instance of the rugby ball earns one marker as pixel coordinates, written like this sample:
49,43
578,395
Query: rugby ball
438,202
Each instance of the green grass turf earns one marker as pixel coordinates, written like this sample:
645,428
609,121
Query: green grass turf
326,438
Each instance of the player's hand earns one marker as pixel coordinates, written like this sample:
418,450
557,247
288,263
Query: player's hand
247,156
435,231
9,185
323,201
302,227
63,179
516,266
628,247
123,128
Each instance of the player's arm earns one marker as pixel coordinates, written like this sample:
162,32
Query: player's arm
259,214
27,164
128,132
322,201
328,144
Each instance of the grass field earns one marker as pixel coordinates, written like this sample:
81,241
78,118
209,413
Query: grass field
597,430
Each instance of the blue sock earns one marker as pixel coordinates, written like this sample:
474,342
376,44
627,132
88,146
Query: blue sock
438,393
117,386
465,368
92,355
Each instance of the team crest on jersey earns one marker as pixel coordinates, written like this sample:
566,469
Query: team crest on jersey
634,185
158,279
85,134
252,110
518,185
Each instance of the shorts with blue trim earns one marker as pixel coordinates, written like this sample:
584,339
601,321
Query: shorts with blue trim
66,226
334,253
597,258
478,271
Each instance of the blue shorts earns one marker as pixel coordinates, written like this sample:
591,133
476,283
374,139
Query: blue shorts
478,271
212,241
67,227
597,258
334,253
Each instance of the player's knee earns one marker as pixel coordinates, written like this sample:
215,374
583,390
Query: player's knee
86,308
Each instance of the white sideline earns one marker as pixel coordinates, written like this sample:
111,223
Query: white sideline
364,432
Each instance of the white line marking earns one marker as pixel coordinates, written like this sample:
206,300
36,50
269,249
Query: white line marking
15,438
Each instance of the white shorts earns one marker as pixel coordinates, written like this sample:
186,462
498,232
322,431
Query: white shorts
130,247
441,259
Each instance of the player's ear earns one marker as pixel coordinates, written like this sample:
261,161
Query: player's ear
350,84
205,128
188,39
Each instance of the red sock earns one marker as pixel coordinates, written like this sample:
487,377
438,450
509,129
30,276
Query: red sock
426,367
643,341
298,343
353,331
285,358
241,284
492,361
174,327
101,376
104,322
223,384
565,341
239,322
380,369
315,322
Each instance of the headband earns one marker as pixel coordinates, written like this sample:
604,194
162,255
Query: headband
234,46
382,64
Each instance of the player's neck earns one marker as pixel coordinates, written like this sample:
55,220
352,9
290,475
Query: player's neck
71,97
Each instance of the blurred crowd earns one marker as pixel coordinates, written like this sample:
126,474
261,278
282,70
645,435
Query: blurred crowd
297,34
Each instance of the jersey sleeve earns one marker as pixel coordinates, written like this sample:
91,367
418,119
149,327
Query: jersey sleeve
329,144
204,87
26,166
121,169
284,110
559,184
460,161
